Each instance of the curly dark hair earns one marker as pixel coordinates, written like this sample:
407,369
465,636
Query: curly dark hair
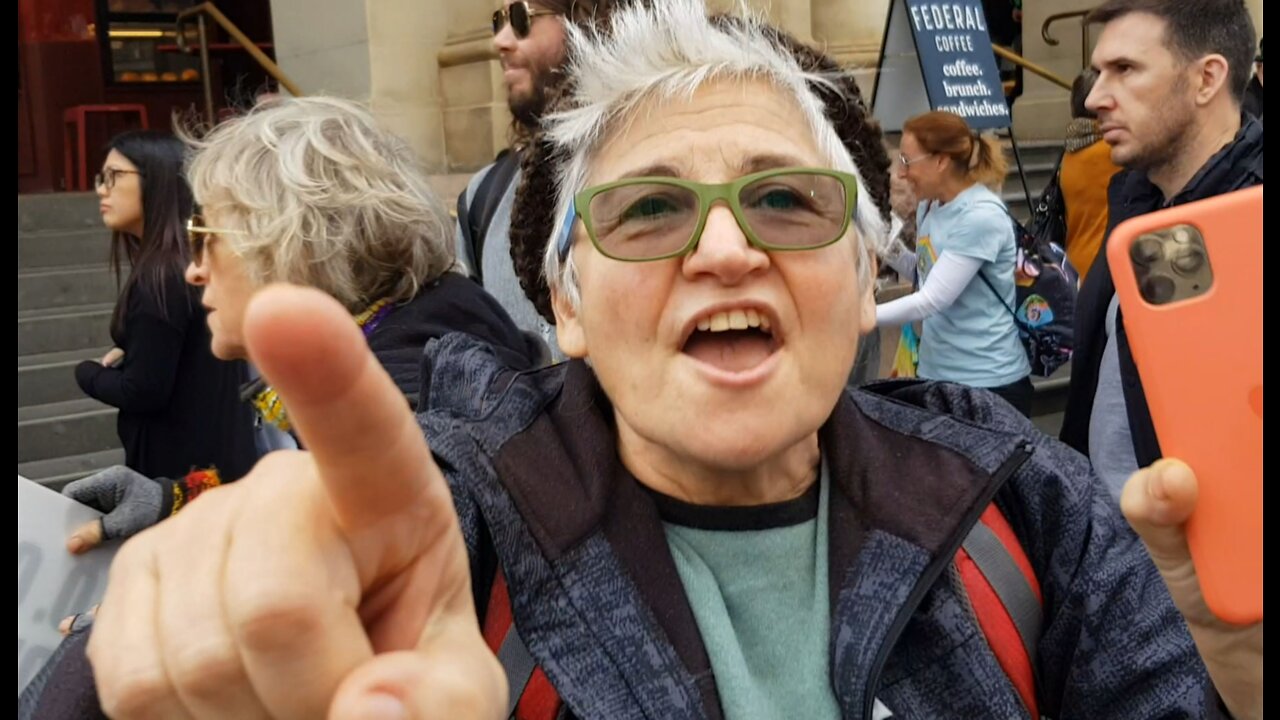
533,212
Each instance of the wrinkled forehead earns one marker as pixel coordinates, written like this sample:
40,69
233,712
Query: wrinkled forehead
722,128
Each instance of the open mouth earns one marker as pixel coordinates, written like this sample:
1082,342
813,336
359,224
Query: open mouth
733,341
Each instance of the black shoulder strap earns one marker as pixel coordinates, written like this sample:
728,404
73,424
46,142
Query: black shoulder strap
1052,192
484,205
993,291
1005,305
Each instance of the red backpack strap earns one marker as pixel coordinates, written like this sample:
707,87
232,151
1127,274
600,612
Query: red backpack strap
1006,599
530,695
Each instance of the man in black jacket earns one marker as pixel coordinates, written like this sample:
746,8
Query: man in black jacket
1172,76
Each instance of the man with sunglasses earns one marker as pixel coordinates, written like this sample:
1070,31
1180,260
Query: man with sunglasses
529,38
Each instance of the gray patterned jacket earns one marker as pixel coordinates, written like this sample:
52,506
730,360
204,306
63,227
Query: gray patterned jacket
595,595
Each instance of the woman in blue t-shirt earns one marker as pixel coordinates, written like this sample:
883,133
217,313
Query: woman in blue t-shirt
965,255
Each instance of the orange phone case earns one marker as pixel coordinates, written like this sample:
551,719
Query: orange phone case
1201,365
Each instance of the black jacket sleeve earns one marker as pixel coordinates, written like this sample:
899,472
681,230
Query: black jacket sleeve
154,336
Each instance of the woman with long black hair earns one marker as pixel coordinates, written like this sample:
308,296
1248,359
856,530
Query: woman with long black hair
180,408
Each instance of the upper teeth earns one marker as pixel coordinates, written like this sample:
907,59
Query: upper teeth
734,320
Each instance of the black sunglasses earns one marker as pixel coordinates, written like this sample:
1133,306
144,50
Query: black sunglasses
520,15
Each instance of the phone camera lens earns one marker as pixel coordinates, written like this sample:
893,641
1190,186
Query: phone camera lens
1146,250
1159,289
1188,261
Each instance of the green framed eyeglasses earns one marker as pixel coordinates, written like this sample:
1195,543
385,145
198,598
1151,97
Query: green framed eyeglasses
654,218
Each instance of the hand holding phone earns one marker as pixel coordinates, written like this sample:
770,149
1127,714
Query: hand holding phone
1189,280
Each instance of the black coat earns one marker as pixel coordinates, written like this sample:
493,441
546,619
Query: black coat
180,407
453,303
1235,167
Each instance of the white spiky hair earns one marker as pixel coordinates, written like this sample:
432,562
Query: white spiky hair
668,49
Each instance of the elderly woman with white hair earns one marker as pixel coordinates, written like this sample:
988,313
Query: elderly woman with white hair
698,522
311,191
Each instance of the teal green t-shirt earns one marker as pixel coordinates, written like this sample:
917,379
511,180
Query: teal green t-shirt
756,579
974,341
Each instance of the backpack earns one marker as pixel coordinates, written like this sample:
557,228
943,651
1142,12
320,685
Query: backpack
1045,298
475,218
994,573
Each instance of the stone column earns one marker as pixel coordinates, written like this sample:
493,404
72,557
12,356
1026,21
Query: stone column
379,51
404,39
330,56
790,15
1255,12
474,109
852,33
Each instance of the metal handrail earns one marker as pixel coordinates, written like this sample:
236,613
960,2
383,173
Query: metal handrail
199,12
1084,32
1017,59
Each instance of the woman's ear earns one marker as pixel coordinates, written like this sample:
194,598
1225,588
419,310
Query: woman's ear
569,332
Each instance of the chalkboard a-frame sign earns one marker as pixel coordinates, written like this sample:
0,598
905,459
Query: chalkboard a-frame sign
936,55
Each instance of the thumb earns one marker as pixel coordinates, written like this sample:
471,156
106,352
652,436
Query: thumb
1157,502
85,538
367,447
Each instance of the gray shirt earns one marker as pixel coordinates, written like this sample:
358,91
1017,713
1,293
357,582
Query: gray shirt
497,269
1110,442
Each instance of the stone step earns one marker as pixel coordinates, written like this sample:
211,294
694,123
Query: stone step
1035,150
1050,400
66,286
51,211
69,328
50,377
70,427
57,472
63,248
